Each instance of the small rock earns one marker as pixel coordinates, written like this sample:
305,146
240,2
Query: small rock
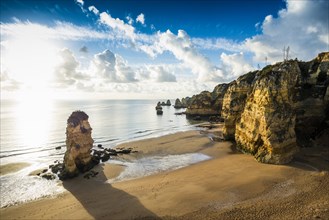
48,176
100,146
58,148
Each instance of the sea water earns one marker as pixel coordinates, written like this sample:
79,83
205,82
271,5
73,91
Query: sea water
31,132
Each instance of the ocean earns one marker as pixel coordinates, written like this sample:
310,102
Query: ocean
31,131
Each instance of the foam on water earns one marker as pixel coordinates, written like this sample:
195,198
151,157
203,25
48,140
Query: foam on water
155,164
20,187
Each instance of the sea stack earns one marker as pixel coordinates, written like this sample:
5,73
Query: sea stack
78,145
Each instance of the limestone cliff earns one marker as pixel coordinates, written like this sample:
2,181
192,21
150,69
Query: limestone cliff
285,109
234,101
207,103
267,125
312,101
78,145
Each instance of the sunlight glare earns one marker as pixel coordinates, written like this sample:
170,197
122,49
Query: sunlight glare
34,120
30,59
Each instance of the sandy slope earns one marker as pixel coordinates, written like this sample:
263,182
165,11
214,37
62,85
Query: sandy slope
229,186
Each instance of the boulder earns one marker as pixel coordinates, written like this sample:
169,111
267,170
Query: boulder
168,103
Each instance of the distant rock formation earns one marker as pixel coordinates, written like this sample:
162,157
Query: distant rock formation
158,109
178,104
207,103
186,101
78,145
168,103
158,106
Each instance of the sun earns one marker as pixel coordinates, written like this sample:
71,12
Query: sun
30,60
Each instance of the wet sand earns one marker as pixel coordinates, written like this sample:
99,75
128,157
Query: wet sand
12,167
228,186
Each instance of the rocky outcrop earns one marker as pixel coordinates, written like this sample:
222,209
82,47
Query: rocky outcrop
78,145
158,109
287,108
267,125
207,103
186,101
234,101
312,109
178,104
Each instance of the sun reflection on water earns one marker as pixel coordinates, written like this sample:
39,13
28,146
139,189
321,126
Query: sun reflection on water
33,122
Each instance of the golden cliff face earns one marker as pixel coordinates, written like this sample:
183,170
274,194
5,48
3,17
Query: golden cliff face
234,101
266,128
286,106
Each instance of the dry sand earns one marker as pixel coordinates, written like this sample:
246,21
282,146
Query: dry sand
228,186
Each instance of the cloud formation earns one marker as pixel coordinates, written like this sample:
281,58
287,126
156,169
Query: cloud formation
119,26
66,72
93,9
140,18
235,65
156,73
301,23
61,31
112,68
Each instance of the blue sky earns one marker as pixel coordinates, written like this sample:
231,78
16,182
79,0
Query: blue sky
149,49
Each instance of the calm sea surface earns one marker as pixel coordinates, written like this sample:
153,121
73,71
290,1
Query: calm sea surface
30,132
33,130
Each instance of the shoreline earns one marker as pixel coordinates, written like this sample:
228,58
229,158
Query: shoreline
229,185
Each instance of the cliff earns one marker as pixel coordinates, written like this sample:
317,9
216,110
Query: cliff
207,103
273,112
234,101
267,123
286,108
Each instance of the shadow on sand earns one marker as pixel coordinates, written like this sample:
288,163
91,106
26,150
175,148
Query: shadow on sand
102,201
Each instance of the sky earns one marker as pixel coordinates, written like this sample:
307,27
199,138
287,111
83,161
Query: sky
148,49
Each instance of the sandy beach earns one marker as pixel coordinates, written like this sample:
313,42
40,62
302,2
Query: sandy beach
230,185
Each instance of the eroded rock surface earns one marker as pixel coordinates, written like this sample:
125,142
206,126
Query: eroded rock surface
207,103
267,125
234,101
78,145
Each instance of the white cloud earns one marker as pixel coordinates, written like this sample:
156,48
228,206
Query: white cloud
235,65
182,48
93,9
61,30
112,68
156,73
7,83
118,25
218,44
303,26
66,72
130,20
141,18
81,2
